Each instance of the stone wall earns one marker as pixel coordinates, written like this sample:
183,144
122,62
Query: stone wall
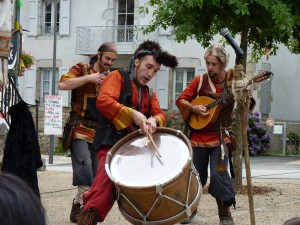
44,140
2,143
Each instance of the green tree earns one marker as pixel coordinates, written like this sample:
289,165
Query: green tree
262,25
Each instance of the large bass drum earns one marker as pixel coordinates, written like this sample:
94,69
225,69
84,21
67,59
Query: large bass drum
153,189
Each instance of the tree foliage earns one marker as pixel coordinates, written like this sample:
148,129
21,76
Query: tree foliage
262,24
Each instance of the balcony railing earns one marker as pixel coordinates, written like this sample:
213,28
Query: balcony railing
127,38
9,96
49,30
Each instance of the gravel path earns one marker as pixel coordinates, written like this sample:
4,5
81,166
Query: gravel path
272,208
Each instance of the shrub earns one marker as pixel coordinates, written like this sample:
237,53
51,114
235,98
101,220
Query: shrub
59,149
258,138
169,119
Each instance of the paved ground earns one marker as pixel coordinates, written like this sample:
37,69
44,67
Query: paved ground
261,166
280,173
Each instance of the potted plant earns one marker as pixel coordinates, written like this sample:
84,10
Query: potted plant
292,143
27,61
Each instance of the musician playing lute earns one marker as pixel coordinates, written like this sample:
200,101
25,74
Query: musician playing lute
213,139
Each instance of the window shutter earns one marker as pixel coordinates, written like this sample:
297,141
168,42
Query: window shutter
200,70
265,97
64,26
162,81
33,18
30,86
65,93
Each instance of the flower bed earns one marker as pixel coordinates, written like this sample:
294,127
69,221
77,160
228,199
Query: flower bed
258,138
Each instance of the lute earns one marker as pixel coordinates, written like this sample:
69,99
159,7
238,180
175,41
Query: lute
213,105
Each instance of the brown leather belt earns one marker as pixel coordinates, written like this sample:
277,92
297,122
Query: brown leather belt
89,123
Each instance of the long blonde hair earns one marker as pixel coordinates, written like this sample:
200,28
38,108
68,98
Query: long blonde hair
219,52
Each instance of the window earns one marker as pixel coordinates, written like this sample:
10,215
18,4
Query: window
125,20
41,15
46,87
182,78
49,16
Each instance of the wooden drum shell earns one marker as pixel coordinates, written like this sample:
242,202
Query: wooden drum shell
162,202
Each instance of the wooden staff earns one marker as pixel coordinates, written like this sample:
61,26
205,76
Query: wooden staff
241,94
243,98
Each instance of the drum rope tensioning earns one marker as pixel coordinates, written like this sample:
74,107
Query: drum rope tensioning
149,191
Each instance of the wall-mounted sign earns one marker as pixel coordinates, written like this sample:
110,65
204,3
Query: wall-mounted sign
277,129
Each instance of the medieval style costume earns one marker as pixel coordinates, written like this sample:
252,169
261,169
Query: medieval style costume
212,143
84,80
123,95
121,118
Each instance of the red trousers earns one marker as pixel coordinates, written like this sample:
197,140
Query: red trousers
102,193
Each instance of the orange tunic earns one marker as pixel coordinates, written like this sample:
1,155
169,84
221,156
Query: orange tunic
121,115
84,101
199,138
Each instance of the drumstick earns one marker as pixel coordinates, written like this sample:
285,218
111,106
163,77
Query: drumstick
147,140
152,141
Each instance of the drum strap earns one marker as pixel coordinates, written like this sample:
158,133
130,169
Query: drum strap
106,134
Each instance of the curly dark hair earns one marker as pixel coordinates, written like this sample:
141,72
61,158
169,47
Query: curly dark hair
160,56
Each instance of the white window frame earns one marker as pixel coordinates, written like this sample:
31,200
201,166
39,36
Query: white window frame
50,83
36,17
45,27
184,81
125,29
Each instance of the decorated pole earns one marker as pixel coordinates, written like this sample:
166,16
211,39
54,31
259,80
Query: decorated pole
242,96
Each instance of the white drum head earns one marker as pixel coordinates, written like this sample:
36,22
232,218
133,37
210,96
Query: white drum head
135,164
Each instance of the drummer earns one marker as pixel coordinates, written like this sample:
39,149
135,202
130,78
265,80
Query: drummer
126,104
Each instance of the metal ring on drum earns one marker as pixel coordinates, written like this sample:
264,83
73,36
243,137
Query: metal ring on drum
151,189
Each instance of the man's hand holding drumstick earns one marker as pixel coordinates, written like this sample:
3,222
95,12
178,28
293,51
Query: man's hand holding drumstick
148,127
152,123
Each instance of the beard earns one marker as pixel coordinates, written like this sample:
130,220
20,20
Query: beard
102,67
